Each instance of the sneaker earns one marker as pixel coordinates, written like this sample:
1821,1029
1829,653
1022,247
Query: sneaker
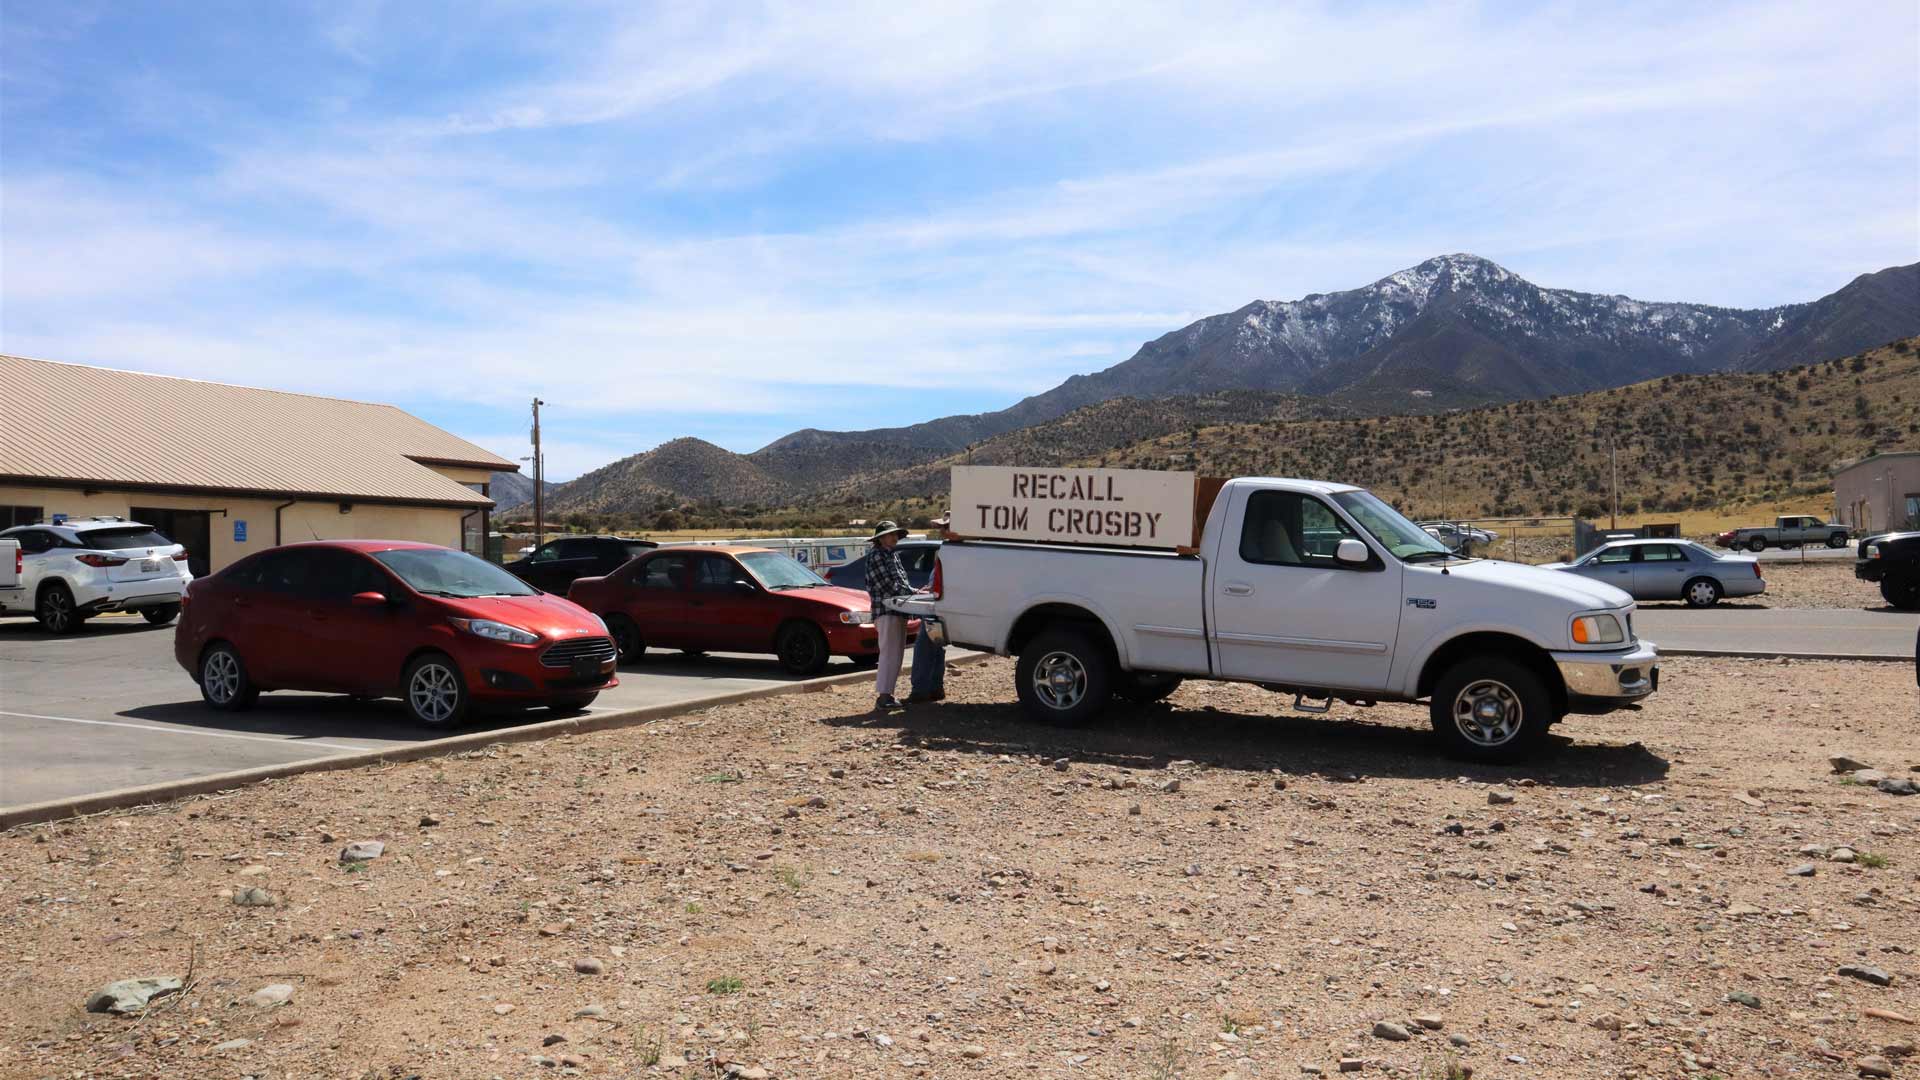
885,702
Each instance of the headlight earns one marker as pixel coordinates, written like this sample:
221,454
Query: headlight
495,631
856,618
1597,630
1873,551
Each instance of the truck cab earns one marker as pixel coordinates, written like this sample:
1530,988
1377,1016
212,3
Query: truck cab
1314,589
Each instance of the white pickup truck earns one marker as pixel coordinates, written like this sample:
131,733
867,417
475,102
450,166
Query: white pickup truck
1314,589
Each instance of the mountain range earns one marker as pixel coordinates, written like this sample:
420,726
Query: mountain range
1454,331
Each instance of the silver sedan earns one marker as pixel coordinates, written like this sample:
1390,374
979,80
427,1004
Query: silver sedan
1669,570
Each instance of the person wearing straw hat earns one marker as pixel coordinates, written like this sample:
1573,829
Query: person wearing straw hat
886,582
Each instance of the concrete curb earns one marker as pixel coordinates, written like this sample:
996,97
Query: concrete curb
56,809
1753,654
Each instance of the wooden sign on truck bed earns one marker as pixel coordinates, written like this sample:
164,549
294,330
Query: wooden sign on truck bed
1141,508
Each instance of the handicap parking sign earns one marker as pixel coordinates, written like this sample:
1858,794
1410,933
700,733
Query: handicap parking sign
239,531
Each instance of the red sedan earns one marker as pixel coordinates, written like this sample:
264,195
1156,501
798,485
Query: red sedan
731,599
437,628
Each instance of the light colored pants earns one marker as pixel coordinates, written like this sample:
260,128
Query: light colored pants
893,648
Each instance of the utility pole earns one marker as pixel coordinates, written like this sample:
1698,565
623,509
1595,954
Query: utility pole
1613,461
539,482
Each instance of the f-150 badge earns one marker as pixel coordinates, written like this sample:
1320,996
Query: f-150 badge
1422,602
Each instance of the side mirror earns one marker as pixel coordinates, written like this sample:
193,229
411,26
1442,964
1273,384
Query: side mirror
369,600
1352,552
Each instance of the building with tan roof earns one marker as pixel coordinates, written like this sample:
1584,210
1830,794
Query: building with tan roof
230,470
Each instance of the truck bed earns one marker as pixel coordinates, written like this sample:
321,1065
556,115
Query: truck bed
983,580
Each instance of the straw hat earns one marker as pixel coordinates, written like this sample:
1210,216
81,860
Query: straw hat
885,528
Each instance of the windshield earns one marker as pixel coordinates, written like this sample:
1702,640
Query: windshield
444,572
1389,527
777,571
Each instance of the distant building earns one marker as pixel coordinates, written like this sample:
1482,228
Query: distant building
229,470
1880,493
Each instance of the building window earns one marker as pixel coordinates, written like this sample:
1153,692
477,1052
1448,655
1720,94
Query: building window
1913,510
11,516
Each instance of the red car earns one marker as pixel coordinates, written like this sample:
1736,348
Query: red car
437,628
731,599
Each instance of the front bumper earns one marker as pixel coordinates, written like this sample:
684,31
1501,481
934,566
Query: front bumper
1869,569
1602,682
501,672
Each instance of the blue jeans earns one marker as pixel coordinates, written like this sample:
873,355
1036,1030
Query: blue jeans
929,665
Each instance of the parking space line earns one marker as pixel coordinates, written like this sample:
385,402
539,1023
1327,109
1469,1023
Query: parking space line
188,731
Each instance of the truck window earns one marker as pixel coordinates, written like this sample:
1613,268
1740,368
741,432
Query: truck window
1284,528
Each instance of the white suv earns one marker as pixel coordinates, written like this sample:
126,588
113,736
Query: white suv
79,568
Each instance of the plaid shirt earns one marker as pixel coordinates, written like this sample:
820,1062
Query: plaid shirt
886,578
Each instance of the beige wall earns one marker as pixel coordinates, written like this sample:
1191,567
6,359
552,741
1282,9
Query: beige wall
1871,496
301,521
462,476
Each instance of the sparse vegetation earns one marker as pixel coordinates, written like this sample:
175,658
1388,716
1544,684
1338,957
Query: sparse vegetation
724,985
1871,861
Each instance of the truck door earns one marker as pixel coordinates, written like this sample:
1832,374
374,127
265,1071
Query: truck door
1285,611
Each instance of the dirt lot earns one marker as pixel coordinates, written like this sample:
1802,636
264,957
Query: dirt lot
794,888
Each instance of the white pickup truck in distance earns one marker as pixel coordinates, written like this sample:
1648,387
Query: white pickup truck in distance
1315,589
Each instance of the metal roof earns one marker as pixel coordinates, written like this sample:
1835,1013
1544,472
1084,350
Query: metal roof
69,423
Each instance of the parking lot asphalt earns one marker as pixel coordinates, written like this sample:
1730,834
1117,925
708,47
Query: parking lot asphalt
108,708
1738,626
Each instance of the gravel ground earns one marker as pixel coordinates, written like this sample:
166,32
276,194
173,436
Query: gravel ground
796,888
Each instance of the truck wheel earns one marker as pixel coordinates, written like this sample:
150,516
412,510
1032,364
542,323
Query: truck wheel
56,610
1902,592
1062,677
1486,708
1701,592
224,682
802,649
1758,543
1837,540
1143,688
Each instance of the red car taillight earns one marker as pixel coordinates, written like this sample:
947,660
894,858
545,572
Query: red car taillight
938,585
180,557
101,560
1756,569
19,564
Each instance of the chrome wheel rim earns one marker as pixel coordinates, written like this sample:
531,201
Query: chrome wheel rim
1060,680
56,610
433,692
1702,593
221,676
1488,713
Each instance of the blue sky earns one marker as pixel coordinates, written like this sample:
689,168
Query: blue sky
734,220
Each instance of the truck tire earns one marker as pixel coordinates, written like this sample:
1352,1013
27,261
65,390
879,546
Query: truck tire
160,615
1063,677
1488,708
1837,540
1144,688
1758,543
1902,592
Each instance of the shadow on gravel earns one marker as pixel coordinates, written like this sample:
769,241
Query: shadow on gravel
29,629
1340,748
1724,605
299,717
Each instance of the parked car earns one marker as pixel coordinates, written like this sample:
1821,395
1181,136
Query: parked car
916,558
1458,537
1892,560
732,599
1314,589
1787,531
443,631
557,564
1669,570
69,572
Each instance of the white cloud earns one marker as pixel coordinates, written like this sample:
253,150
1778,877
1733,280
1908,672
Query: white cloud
783,203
